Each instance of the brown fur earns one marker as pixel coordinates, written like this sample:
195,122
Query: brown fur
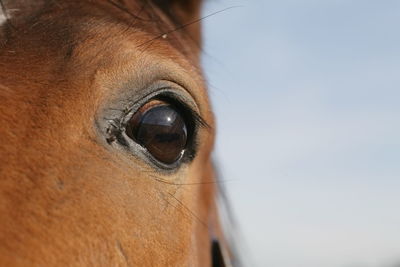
67,198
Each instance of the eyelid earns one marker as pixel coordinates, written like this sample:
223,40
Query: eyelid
170,93
116,126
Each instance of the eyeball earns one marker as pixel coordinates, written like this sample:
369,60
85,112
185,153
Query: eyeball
160,127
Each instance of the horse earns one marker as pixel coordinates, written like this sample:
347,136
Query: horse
106,136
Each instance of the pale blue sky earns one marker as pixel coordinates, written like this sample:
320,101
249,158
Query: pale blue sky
307,94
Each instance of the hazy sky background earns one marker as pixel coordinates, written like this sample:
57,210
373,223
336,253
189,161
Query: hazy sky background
307,99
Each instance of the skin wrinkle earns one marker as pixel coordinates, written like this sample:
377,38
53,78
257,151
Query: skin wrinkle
68,198
123,253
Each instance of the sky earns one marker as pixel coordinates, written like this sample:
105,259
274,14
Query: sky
306,95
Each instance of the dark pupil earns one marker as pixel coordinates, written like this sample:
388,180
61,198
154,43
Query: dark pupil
162,131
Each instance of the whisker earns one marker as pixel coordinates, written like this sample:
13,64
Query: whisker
191,212
198,183
142,9
124,9
161,180
186,25
187,215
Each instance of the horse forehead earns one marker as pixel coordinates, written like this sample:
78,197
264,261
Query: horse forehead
57,15
62,26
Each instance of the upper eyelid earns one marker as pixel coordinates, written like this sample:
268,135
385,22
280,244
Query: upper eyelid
198,119
118,124
166,91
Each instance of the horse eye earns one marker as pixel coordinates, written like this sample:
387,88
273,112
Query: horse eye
160,128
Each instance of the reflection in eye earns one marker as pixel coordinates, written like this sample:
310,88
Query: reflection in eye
160,128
